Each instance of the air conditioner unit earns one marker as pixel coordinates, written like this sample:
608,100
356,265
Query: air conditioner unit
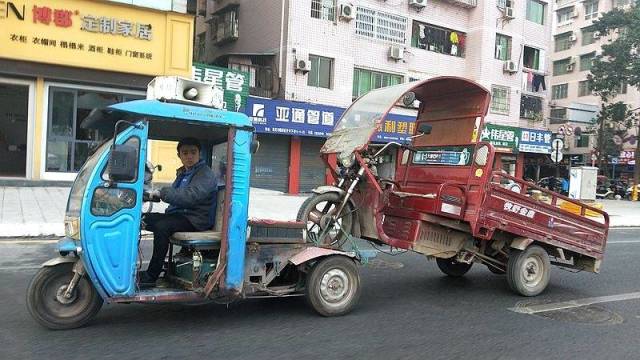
596,35
573,37
418,3
570,67
510,66
302,65
574,14
346,12
553,104
509,13
396,52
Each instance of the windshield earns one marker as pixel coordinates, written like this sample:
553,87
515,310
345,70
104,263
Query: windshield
77,190
359,121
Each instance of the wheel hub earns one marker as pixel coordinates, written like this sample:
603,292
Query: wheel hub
334,285
62,298
531,271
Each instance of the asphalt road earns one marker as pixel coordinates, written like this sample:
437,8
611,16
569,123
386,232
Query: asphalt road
408,310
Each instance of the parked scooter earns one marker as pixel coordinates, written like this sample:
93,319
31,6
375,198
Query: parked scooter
611,189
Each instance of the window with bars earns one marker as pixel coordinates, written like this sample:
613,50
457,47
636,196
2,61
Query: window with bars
558,115
367,80
559,91
563,41
587,36
320,73
323,9
500,100
381,25
591,9
503,47
565,15
586,61
584,88
224,26
560,67
438,39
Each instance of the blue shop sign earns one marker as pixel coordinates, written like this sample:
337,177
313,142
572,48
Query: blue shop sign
535,141
305,119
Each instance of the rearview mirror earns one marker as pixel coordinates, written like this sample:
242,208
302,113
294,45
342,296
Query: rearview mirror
123,163
482,154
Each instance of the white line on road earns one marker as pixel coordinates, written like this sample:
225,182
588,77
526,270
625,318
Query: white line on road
534,309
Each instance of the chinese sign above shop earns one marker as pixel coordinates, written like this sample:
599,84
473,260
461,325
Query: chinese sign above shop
306,119
234,84
98,35
512,139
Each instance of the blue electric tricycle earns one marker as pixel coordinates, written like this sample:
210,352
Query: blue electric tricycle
239,258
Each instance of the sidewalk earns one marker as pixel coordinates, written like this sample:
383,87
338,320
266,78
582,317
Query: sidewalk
39,211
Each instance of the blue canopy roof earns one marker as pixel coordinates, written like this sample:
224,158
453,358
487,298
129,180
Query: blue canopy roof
158,109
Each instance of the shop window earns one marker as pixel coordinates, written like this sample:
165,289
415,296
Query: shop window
224,25
588,37
559,91
565,15
591,9
530,107
68,145
532,58
535,11
586,61
381,25
558,115
561,67
584,88
367,80
323,9
503,47
438,39
320,74
563,41
500,100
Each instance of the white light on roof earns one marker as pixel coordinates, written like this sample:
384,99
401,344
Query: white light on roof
182,90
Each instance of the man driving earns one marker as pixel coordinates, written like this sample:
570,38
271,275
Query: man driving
191,200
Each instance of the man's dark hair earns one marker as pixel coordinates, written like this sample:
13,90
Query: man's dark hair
189,141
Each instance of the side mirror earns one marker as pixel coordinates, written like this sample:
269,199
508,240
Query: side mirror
408,98
123,163
482,155
255,144
424,128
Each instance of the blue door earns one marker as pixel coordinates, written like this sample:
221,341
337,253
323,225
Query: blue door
110,221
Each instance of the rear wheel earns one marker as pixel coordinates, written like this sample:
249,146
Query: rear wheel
317,212
528,271
333,286
453,268
48,305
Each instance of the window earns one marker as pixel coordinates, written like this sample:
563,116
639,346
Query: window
535,11
381,25
202,40
584,89
224,26
591,9
323,9
582,141
532,58
320,73
565,14
558,115
260,76
530,107
367,80
503,47
563,41
560,67
587,36
586,61
559,91
438,39
500,100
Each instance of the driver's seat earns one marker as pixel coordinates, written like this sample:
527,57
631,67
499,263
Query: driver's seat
203,240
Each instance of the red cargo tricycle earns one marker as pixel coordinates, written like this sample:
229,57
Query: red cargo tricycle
440,196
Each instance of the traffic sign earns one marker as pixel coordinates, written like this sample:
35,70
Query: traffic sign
557,144
556,156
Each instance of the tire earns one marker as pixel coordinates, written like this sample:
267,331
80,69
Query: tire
453,268
44,304
528,271
333,271
317,203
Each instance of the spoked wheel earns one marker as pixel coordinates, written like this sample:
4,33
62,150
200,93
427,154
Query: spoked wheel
453,268
50,307
528,271
318,211
333,286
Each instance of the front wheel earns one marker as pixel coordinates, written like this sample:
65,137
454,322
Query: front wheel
528,271
333,286
50,308
318,212
453,268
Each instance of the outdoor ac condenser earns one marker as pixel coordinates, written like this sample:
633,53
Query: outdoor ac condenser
582,182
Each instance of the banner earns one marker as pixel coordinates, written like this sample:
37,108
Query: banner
234,84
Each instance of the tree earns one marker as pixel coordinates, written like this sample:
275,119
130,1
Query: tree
618,64
612,121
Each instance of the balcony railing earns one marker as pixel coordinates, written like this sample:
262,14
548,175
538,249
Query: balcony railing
464,3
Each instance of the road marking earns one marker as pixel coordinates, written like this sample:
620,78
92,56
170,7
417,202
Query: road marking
534,309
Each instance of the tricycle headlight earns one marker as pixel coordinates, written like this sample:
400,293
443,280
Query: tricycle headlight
72,227
346,160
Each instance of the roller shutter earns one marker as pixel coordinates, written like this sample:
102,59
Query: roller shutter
312,168
270,165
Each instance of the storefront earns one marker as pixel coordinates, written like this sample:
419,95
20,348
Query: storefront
291,134
60,59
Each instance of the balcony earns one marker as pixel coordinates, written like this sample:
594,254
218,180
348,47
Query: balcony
464,3
260,78
534,82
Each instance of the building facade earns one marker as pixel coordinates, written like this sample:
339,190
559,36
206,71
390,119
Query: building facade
61,59
328,52
573,106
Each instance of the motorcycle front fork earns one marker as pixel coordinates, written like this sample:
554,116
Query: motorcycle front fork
78,272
